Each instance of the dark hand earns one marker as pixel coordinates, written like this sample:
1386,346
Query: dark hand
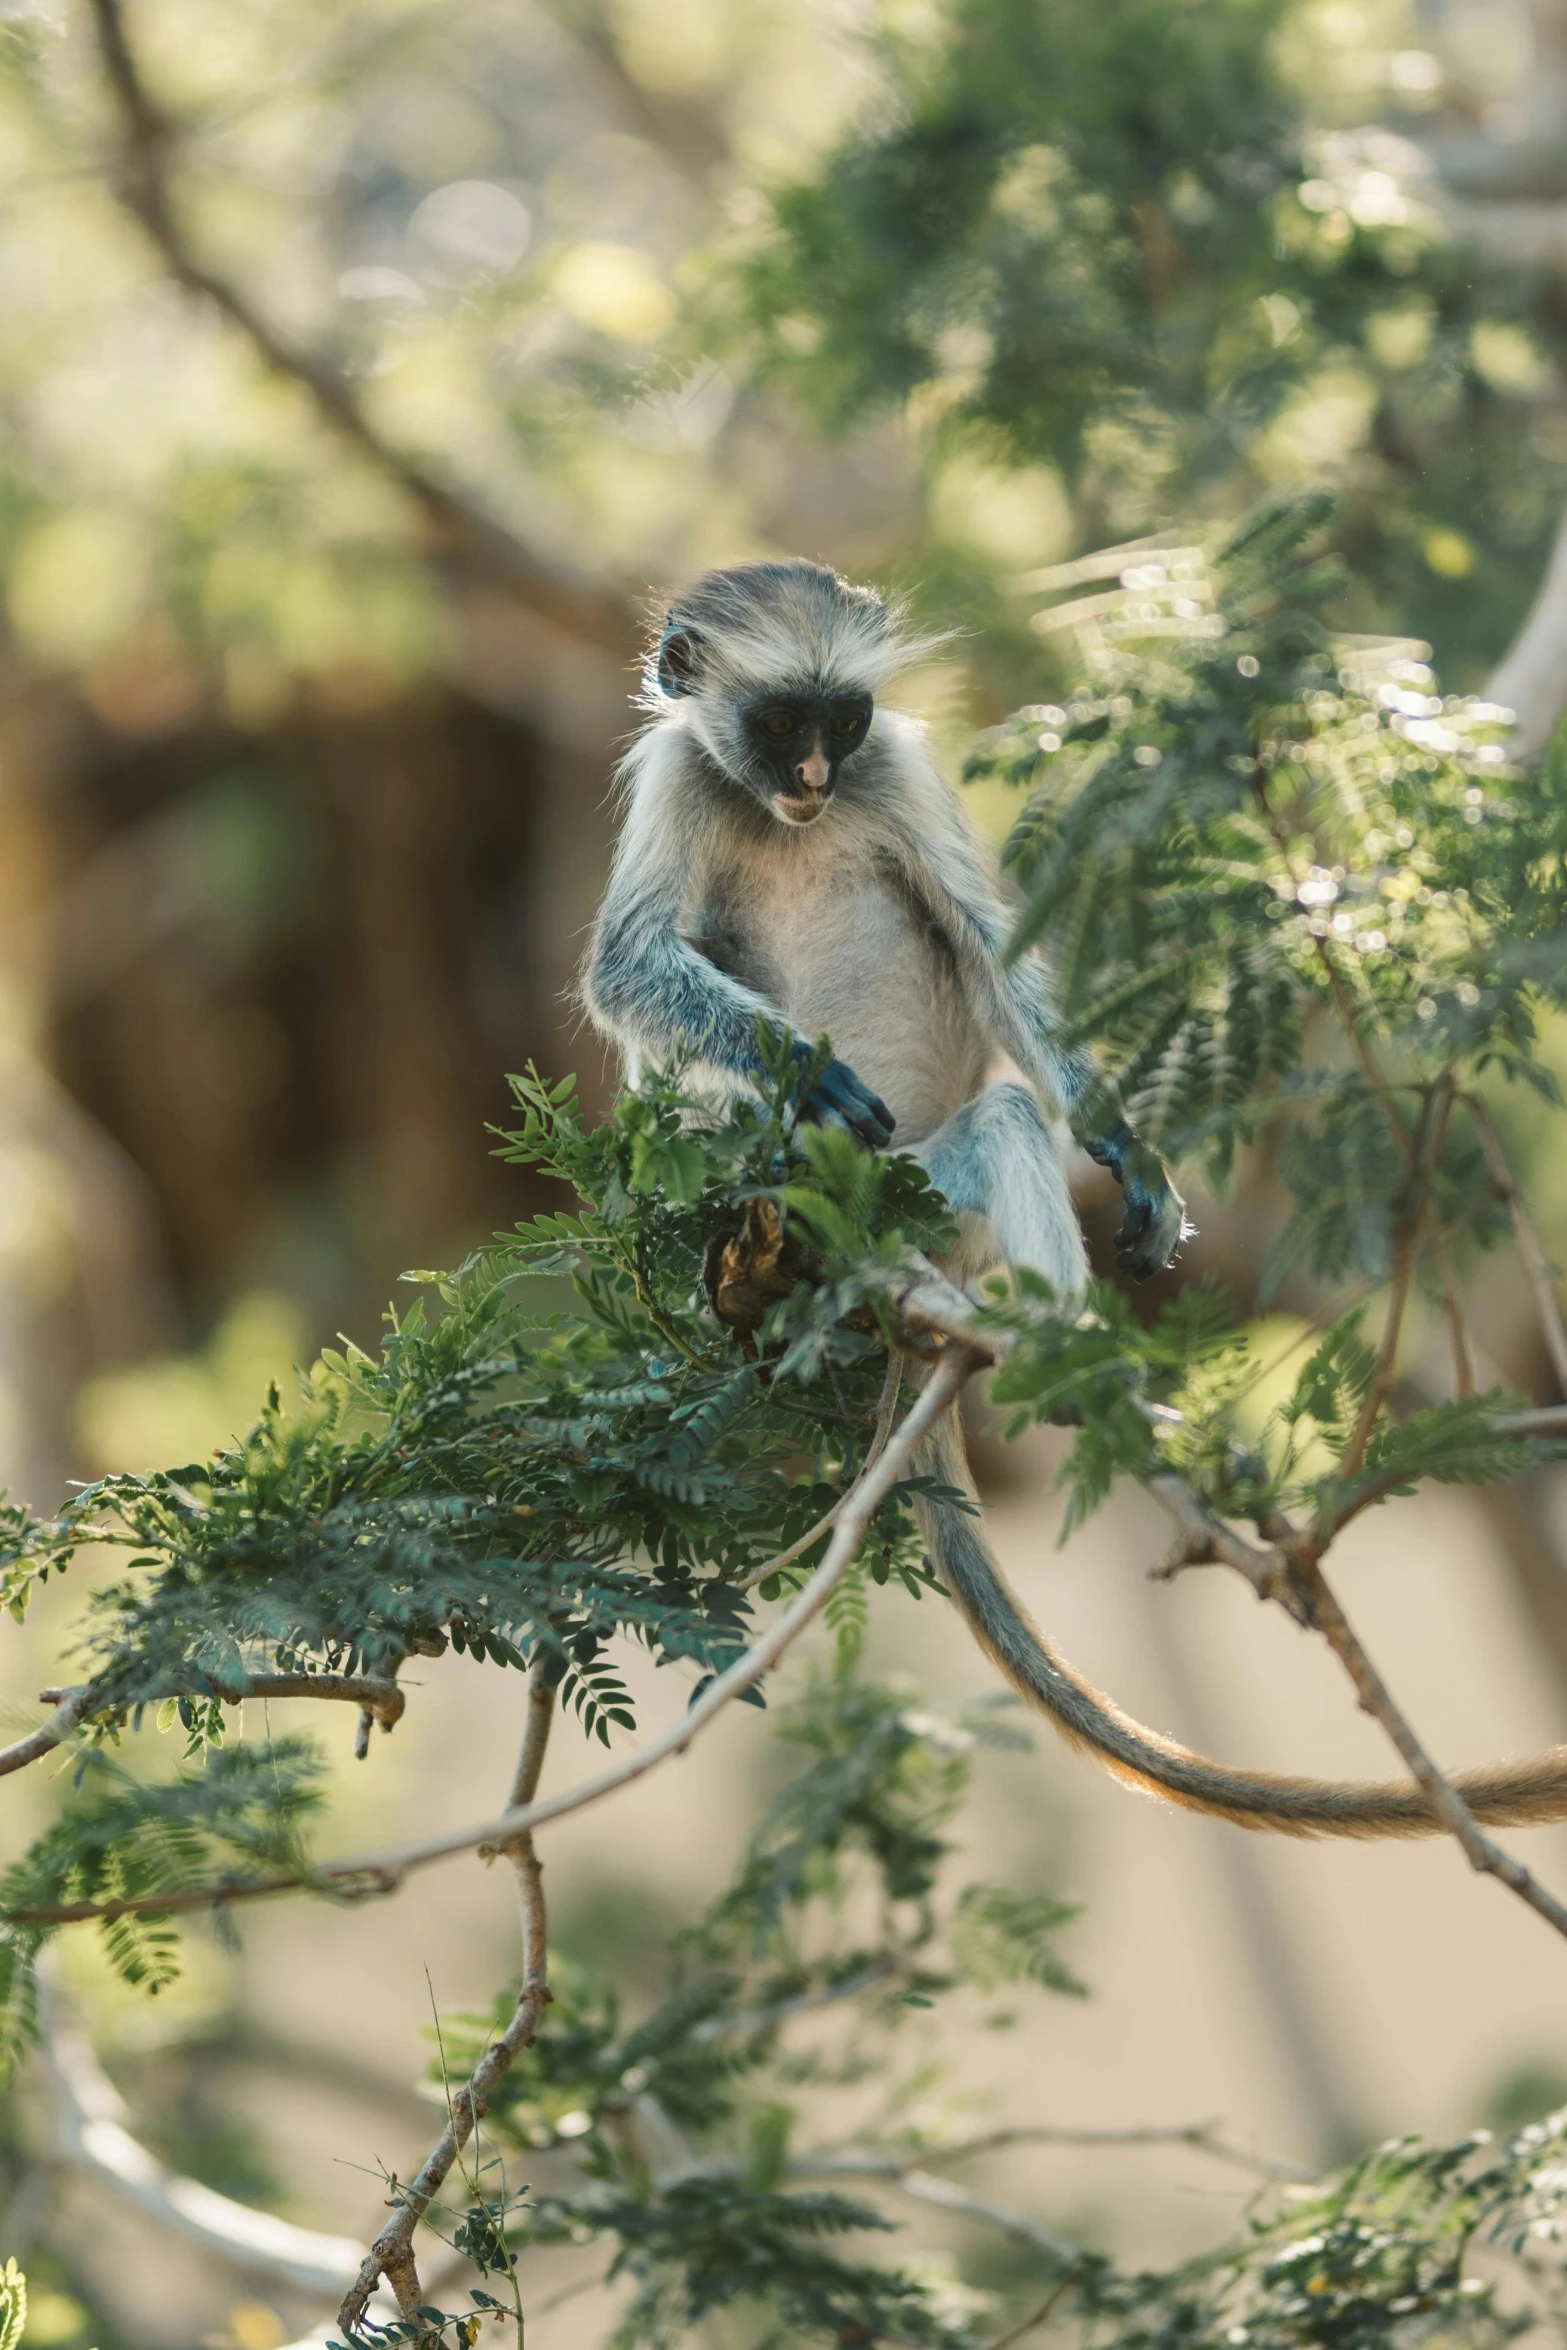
1155,1221
840,1098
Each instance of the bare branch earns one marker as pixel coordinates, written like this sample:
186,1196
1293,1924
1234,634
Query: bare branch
391,2255
1427,1154
1035,2317
1204,1540
1548,1420
885,1412
1203,2137
90,2120
922,2186
366,1874
1457,1333
72,1705
1376,1699
1537,1265
459,530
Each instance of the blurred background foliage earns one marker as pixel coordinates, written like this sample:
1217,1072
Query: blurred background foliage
364,370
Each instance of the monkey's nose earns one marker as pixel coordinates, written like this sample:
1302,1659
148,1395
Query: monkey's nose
814,772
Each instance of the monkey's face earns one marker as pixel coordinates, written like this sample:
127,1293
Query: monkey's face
795,743
784,742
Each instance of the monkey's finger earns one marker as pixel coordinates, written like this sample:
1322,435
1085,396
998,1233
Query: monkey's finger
842,1096
1160,1229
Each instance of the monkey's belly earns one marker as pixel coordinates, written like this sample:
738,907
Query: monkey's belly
849,963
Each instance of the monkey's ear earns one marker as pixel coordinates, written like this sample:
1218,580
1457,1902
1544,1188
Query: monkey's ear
677,670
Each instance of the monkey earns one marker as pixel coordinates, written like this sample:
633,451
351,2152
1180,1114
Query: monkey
791,857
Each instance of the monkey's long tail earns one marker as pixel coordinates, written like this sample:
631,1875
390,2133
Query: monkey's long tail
1503,1795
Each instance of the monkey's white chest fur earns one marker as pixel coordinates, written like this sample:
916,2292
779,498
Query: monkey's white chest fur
841,951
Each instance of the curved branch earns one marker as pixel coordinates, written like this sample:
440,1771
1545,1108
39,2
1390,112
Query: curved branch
90,2121
922,2186
459,529
1202,2137
371,1873
72,1705
391,2255
829,1518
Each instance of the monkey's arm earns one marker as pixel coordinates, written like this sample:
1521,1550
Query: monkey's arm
947,868
653,992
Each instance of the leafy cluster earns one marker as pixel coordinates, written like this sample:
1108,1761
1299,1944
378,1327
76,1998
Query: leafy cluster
528,1475
676,2148
1148,245
673,2142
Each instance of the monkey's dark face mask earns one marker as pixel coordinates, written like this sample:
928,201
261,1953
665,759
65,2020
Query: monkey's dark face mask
791,740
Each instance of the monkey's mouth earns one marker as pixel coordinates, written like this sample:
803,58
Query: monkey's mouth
803,810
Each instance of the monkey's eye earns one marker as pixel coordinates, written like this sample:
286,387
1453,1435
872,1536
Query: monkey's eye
780,724
848,720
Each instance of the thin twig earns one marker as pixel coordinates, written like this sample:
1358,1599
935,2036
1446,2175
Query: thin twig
922,2186
1536,1263
148,145
89,2119
1204,1540
1427,1152
391,2255
1203,2137
1546,1420
1458,1335
1035,2317
367,1874
1446,1803
885,1413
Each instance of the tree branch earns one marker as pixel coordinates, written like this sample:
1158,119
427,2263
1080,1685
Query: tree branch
1204,1540
377,1700
458,529
1203,2137
922,2186
367,1874
1426,1154
885,1413
1035,2317
391,2255
89,2119
72,1705
1376,1699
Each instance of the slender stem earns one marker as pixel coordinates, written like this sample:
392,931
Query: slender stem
922,2186
1202,2137
1458,1335
373,1873
391,2255
1537,1264
1035,2317
148,148
1446,1803
1427,1153
885,1409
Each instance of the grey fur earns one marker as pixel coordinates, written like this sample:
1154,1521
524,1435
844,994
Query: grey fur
879,925
878,919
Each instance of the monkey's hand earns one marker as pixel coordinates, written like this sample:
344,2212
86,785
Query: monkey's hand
1155,1221
841,1098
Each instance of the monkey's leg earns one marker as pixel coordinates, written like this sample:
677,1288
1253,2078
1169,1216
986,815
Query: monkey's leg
997,1161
